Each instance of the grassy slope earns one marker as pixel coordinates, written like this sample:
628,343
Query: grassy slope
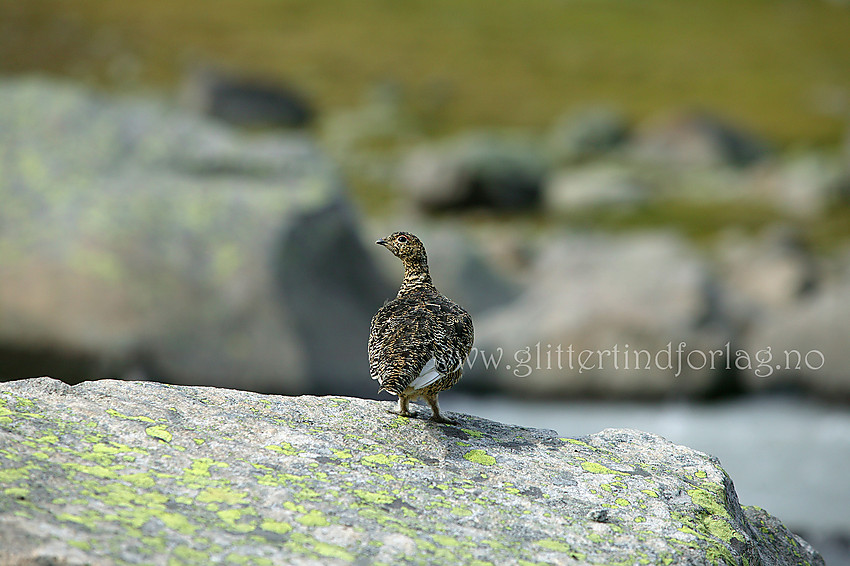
762,62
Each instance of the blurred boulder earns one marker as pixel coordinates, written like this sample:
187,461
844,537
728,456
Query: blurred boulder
696,139
587,134
807,185
594,187
462,268
611,297
773,270
245,101
166,246
804,346
474,171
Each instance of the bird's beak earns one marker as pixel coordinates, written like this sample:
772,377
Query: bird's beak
381,242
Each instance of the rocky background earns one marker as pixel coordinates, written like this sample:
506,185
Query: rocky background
179,203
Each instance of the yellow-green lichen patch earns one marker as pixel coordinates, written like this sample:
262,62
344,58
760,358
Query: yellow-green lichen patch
190,555
313,518
221,495
650,492
283,448
104,472
473,433
114,413
480,457
81,544
305,544
558,546
596,468
141,479
389,459
444,540
278,527
374,498
198,474
231,517
580,443
710,501
17,492
14,474
159,431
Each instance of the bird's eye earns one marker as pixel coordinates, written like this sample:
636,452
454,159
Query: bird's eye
402,239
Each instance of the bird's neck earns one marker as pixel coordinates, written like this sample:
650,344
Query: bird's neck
416,275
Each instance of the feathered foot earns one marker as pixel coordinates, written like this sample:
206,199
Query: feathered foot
403,409
435,407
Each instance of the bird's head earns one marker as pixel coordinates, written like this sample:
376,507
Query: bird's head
404,245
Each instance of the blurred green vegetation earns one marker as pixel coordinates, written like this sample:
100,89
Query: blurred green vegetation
780,67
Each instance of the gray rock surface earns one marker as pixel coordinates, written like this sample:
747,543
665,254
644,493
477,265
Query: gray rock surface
116,472
152,240
590,294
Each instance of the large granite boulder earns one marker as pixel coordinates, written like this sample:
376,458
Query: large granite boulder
609,316
142,473
141,239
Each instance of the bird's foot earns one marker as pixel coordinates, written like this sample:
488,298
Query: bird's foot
443,420
408,414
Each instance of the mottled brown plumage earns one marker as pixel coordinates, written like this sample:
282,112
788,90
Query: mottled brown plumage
419,340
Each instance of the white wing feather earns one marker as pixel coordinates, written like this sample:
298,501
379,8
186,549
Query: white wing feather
427,376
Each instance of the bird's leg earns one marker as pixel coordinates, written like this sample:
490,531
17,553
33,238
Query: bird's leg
403,409
435,407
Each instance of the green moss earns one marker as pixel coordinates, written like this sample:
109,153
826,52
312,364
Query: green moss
480,457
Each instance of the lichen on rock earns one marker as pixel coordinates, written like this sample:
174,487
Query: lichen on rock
234,476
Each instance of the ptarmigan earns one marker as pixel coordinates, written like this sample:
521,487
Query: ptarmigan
418,341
